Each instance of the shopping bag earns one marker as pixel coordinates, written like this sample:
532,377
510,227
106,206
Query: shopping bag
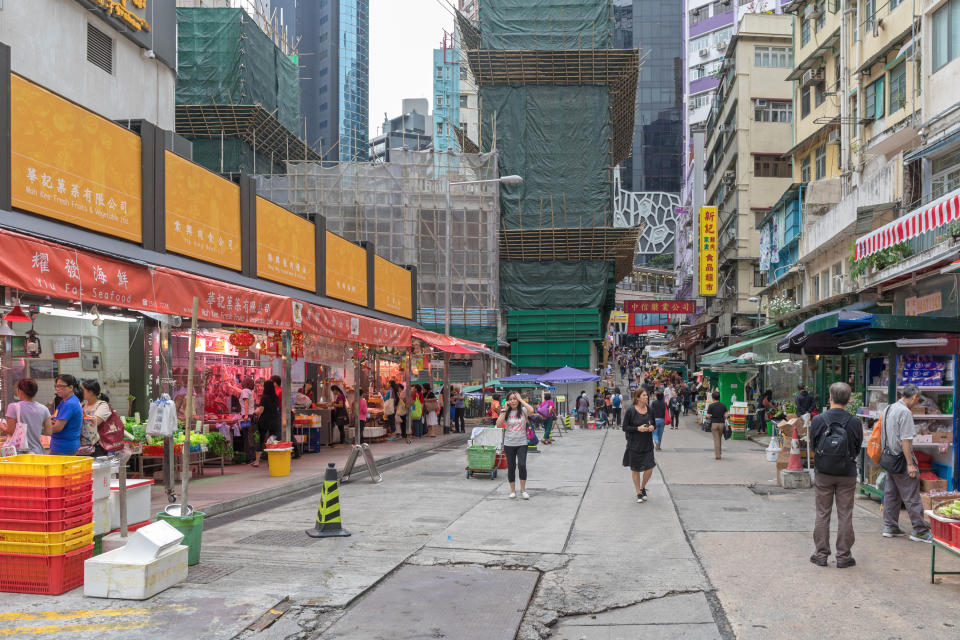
162,419
19,438
875,443
666,419
111,432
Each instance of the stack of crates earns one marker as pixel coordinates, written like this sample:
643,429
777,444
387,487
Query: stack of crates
738,420
46,522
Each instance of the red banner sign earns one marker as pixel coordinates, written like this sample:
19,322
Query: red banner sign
341,325
660,306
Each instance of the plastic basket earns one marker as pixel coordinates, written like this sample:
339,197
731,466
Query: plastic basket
45,574
50,544
41,502
46,486
481,457
47,525
47,515
37,465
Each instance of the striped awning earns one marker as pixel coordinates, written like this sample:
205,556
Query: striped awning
931,216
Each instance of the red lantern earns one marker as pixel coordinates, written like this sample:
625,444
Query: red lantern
242,340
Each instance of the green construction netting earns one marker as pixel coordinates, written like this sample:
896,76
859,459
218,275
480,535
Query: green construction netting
558,139
546,24
223,57
553,285
237,156
476,333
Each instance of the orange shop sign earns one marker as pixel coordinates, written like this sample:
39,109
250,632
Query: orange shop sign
346,276
72,165
286,246
394,288
203,213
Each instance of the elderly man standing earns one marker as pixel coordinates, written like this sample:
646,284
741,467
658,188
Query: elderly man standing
903,484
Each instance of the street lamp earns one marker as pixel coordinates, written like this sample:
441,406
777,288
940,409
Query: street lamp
756,299
512,179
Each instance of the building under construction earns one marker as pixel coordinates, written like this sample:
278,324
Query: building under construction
400,206
557,105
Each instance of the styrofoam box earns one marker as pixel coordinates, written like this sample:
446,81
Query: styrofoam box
101,516
101,479
107,576
138,501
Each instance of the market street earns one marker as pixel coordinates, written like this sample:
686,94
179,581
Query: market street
717,552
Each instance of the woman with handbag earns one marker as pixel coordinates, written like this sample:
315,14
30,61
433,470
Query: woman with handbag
416,411
340,416
514,421
389,397
548,411
32,419
403,410
268,418
96,411
431,408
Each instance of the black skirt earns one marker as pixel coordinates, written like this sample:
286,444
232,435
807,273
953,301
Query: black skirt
638,461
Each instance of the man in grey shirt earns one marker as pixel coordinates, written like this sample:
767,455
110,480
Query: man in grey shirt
898,430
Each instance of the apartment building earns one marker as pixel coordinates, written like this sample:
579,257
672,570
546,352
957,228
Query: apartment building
748,132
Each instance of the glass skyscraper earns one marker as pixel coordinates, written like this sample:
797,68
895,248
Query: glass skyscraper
334,73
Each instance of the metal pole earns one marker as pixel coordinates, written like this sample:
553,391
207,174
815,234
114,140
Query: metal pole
446,317
286,387
188,414
357,372
483,385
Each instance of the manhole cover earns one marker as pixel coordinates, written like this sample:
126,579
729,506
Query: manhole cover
734,508
277,538
206,573
476,602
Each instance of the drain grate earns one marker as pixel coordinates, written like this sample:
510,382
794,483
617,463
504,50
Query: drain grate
279,538
206,573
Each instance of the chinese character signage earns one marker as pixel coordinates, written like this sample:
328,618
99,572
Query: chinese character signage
72,165
286,246
393,288
708,251
346,275
673,307
203,213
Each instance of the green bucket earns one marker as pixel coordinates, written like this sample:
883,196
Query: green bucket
191,527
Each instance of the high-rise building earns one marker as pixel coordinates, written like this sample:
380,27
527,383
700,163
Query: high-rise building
334,48
410,131
446,96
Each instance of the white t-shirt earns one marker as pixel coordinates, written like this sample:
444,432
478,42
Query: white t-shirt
515,429
246,402
33,414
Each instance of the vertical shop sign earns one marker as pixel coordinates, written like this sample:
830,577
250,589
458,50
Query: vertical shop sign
286,247
708,251
72,165
203,213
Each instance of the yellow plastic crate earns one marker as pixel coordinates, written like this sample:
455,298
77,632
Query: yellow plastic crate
48,544
37,465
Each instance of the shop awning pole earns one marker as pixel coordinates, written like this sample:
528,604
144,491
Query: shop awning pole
483,385
286,386
188,415
446,393
357,390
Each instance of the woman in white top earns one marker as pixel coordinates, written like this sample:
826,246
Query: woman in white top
514,422
96,411
34,415
248,403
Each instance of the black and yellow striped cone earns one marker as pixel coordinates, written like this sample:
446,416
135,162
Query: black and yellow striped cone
328,513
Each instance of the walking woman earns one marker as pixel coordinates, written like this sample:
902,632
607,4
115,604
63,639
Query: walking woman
548,411
639,427
268,418
659,409
403,399
514,420
673,406
416,411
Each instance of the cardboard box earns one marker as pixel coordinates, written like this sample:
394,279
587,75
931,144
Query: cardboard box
941,437
929,503
919,411
933,485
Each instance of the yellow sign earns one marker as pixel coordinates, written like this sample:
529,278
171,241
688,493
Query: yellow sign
394,288
286,247
71,165
708,251
346,275
120,9
618,316
203,213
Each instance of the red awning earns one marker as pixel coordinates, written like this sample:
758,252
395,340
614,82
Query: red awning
441,342
937,214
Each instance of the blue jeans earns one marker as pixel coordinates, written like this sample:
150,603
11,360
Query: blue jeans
418,427
658,431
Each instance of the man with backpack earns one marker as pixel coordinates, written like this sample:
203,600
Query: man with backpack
836,436
616,405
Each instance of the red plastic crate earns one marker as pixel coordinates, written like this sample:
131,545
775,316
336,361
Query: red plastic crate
46,486
49,575
46,525
942,529
47,515
40,502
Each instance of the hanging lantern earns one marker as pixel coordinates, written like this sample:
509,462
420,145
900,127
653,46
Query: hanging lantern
296,344
242,340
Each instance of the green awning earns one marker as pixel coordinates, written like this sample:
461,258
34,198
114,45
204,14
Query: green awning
887,322
732,353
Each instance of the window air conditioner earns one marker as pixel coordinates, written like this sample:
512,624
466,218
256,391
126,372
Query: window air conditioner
722,45
812,11
811,76
833,137
704,52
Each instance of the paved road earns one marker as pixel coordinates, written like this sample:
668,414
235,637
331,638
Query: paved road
717,552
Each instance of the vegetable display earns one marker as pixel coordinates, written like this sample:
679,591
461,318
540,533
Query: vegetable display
949,510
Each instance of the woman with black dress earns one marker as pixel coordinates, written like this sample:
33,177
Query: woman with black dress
268,417
638,424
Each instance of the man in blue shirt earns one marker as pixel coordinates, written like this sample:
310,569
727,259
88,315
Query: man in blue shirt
68,421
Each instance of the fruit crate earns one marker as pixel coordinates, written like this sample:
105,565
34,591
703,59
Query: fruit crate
943,529
47,504
38,465
24,486
38,543
738,434
43,574
47,526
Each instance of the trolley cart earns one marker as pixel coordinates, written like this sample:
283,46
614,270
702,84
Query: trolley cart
484,446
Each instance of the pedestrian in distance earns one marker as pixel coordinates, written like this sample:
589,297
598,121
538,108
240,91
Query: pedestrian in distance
268,418
583,409
717,415
836,436
673,406
431,410
616,405
416,411
659,409
340,416
638,425
403,410
805,402
389,397
34,416
903,477
548,411
68,418
766,406
460,411
514,420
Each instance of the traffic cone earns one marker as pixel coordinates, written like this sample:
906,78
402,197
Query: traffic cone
328,513
795,464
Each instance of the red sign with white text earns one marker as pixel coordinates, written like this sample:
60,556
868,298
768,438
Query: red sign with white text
660,306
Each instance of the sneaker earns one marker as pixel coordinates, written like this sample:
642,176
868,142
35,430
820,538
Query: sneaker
893,532
639,497
643,494
844,564
817,560
921,537
513,494
525,495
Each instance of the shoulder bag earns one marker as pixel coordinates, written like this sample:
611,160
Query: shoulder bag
896,464
111,432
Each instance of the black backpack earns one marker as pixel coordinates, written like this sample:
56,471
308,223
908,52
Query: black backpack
833,451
